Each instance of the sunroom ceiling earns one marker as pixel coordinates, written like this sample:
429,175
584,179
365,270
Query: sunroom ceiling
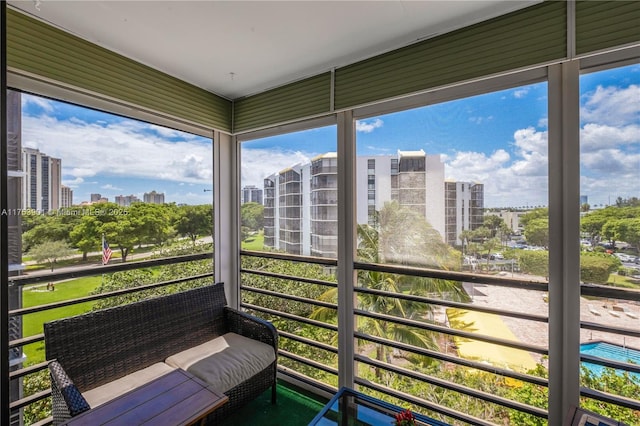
238,48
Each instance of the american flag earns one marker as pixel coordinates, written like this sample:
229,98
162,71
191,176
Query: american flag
106,251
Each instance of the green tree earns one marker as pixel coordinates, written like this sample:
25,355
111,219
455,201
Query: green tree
534,262
152,222
397,235
629,230
539,213
537,232
195,221
252,216
497,226
595,268
122,233
611,231
86,235
54,226
406,238
50,252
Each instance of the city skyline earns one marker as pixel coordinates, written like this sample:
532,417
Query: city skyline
499,138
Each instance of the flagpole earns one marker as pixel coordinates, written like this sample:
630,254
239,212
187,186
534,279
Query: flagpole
102,257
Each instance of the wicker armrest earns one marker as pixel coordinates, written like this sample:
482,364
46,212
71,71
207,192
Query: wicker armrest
66,398
252,327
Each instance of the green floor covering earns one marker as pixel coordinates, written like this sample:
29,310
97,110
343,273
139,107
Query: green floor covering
294,408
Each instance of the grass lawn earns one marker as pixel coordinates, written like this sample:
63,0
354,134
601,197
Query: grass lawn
255,242
622,281
39,295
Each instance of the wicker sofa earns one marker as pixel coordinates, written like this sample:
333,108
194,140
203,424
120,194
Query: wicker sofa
100,355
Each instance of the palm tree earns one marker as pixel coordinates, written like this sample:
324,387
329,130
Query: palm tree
370,251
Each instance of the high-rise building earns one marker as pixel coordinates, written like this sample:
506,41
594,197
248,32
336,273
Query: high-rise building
95,198
42,180
287,224
301,202
324,205
270,202
154,197
126,200
412,178
464,209
251,194
66,196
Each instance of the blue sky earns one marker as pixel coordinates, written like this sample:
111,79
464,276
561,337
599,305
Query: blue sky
499,139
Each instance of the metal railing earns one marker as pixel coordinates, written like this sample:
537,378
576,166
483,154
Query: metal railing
22,281
430,327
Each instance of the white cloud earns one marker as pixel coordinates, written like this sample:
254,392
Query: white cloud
368,127
520,93
124,148
43,103
111,187
594,136
543,123
520,175
73,183
257,164
612,105
382,149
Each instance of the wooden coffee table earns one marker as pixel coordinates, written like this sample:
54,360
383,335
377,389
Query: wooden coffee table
177,398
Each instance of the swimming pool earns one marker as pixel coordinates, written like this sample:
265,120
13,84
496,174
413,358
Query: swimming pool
609,351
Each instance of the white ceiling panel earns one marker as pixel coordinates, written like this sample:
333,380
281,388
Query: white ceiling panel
238,48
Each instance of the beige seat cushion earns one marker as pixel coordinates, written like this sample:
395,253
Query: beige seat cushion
225,361
107,392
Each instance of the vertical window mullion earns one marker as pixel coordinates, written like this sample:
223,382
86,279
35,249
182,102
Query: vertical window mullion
564,236
346,247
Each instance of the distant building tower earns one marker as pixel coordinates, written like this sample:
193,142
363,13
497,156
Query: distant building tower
95,198
271,228
126,200
66,196
464,209
42,180
324,205
251,194
584,199
154,197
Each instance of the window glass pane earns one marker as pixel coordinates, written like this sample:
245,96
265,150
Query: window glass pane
298,176
88,188
610,232
459,186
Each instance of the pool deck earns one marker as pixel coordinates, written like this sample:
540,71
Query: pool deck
536,333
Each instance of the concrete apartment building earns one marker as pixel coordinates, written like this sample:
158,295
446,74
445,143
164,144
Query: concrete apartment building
42,182
251,194
286,213
126,200
66,196
301,202
153,197
464,208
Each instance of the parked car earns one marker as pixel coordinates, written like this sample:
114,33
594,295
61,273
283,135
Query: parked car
496,256
625,257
